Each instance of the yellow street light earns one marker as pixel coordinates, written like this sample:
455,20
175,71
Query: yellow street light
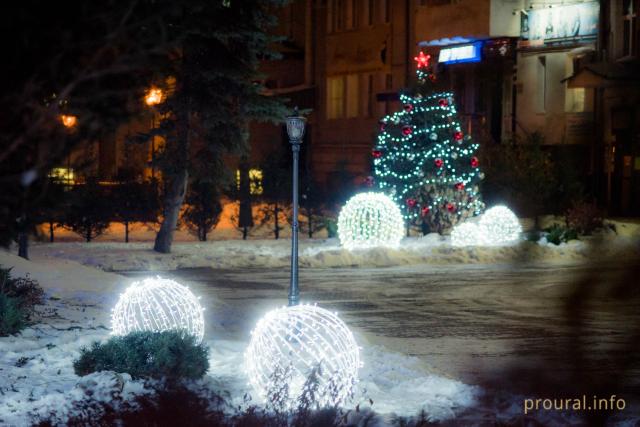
153,96
69,120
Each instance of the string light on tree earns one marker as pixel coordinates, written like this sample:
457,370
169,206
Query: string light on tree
501,226
423,154
290,344
368,220
156,304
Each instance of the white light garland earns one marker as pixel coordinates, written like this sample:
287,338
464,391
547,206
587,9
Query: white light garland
156,304
500,225
368,220
468,234
286,346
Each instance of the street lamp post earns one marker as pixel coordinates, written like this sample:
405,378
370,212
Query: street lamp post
295,129
152,98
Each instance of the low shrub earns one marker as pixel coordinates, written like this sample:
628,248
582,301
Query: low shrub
12,317
332,227
557,234
18,298
584,217
168,355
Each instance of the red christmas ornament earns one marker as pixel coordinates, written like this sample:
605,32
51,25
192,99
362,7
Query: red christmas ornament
422,60
438,163
474,162
451,207
376,153
369,181
406,130
383,125
458,136
425,211
411,203
460,186
443,102
432,77
408,108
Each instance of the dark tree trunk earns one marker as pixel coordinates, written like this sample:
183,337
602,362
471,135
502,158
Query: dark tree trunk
204,234
23,245
276,230
245,232
310,222
88,234
51,231
126,231
176,189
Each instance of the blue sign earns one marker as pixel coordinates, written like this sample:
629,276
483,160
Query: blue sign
461,53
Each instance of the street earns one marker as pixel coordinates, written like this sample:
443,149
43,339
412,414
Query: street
473,323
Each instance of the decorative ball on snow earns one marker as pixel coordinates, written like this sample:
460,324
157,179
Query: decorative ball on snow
500,225
467,234
156,304
290,344
369,220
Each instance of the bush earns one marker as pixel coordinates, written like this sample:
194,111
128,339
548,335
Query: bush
18,297
557,234
166,354
12,317
332,227
585,217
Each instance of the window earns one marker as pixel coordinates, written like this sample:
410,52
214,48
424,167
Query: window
335,97
541,89
63,175
255,181
367,100
629,30
353,97
370,12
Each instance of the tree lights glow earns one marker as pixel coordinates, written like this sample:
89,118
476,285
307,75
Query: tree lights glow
290,344
500,226
423,154
156,304
369,220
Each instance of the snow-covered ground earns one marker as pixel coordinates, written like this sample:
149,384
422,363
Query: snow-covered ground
326,253
37,379
36,374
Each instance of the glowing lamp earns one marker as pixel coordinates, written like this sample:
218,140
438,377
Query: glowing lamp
153,96
68,120
295,126
156,304
368,220
501,226
291,344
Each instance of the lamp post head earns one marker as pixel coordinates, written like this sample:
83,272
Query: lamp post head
295,126
154,96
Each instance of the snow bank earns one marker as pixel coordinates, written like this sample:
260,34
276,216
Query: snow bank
230,254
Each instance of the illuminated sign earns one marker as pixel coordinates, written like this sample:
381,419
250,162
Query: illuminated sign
461,53
559,23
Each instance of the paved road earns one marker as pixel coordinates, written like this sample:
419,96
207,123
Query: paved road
473,323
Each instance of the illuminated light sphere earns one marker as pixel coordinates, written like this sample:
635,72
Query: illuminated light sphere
68,120
156,304
468,234
289,344
154,96
369,220
500,225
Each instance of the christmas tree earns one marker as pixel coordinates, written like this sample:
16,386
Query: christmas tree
424,160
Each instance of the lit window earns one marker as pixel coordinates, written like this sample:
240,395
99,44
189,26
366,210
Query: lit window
255,181
335,97
62,175
353,98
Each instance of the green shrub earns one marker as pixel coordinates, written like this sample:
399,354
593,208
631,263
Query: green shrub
557,234
147,354
332,227
585,217
12,316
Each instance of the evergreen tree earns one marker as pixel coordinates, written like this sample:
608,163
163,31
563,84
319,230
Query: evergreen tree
215,94
423,159
203,209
